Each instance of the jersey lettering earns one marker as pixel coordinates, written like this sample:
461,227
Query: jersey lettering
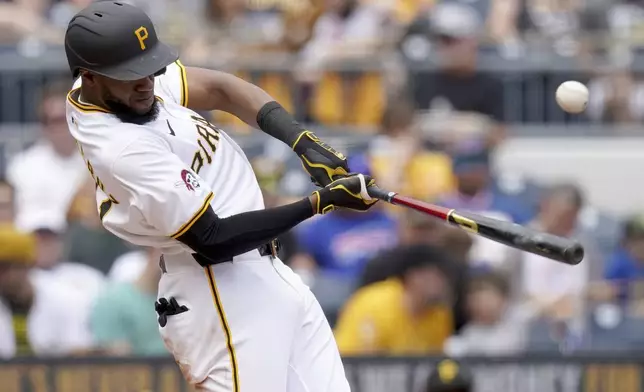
208,141
106,204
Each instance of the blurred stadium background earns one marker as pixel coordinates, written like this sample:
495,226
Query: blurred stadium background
451,101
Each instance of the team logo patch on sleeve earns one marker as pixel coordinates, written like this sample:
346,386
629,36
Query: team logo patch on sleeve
190,180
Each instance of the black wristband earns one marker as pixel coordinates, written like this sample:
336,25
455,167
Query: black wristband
274,120
325,202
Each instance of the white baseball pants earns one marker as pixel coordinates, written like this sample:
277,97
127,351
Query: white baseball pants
252,326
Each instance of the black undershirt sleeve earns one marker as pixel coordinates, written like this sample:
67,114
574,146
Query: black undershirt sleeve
274,120
218,239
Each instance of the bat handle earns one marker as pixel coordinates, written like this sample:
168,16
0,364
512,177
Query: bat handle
381,194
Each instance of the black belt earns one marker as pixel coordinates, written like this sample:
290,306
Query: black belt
271,248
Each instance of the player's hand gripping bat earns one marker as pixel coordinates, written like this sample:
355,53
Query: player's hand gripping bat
511,234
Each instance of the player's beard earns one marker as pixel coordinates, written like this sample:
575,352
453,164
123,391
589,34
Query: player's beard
127,115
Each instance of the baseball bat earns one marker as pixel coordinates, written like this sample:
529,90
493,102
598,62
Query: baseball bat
511,234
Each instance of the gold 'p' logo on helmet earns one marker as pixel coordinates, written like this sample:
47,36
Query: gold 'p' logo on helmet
141,34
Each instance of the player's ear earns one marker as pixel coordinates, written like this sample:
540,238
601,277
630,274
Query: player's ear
88,77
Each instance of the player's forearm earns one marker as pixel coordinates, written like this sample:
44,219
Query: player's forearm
220,239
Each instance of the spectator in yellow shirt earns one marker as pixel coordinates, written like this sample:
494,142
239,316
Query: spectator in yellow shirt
409,313
400,159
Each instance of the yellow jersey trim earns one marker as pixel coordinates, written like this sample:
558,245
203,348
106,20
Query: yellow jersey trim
73,96
186,226
184,84
216,298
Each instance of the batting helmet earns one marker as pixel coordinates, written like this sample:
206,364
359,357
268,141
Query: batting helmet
116,40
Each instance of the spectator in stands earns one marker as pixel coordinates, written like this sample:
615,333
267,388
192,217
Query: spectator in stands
86,240
26,18
37,316
47,175
236,28
459,102
496,326
62,11
341,244
565,26
123,321
419,230
476,192
450,376
6,203
128,267
605,229
557,289
48,228
346,30
616,96
407,314
400,160
625,268
476,188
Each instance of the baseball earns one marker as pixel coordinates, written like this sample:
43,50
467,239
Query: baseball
572,96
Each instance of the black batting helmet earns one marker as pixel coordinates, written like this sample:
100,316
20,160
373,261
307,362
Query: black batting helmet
116,40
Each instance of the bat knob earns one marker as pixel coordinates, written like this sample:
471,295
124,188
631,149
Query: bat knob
381,194
574,254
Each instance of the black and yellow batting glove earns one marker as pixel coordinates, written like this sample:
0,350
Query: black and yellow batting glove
321,161
347,192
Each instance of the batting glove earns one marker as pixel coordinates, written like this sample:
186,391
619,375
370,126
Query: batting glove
321,161
347,192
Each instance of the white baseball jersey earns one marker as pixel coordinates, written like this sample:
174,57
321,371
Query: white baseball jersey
154,180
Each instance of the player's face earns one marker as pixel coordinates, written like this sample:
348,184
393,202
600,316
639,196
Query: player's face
473,179
485,305
559,215
49,247
137,95
427,284
456,52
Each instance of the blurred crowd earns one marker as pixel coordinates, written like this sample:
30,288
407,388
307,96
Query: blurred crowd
338,62
391,281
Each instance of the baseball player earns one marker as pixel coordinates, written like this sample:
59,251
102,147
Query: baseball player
234,317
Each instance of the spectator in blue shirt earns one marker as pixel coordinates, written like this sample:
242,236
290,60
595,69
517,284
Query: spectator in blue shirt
626,266
476,189
476,192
